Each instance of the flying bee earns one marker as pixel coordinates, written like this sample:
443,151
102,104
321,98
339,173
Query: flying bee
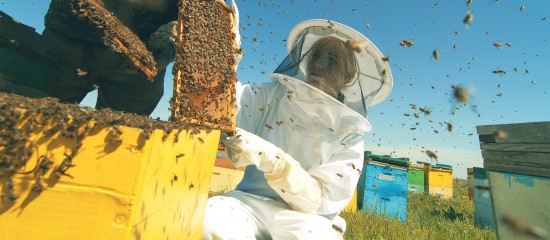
81,72
386,58
521,227
508,44
462,95
425,110
416,115
413,106
356,46
431,155
450,127
500,134
468,3
468,18
498,44
499,72
499,94
521,8
435,54
407,43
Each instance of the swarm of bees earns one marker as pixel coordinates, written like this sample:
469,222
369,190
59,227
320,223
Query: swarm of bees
22,116
204,70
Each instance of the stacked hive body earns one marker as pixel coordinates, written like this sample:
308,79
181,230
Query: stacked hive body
26,68
68,172
204,86
439,178
225,176
483,203
416,177
517,160
384,186
75,173
470,179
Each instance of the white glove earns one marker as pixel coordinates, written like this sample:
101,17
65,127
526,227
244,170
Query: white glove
162,44
244,148
284,174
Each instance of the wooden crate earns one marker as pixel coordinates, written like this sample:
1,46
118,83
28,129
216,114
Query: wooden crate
483,203
137,189
470,172
517,160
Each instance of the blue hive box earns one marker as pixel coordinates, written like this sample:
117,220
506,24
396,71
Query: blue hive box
384,189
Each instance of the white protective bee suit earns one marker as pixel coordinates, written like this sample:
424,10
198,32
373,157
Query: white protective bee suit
303,148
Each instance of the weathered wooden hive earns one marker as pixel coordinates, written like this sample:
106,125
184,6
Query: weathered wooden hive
71,172
517,160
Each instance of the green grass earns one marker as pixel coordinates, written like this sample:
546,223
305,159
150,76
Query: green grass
428,217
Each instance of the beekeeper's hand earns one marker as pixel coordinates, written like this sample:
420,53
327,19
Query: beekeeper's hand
162,44
237,48
244,148
282,172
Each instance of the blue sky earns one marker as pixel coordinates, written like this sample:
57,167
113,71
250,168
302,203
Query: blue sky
514,97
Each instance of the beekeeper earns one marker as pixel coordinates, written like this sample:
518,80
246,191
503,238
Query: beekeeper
86,63
300,137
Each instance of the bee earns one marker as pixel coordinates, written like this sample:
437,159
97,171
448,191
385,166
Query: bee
279,122
508,44
191,186
406,115
457,33
413,106
450,127
435,54
386,58
521,8
521,227
468,18
498,44
339,175
460,94
500,134
454,47
499,72
200,139
80,72
180,155
407,43
269,127
431,155
332,130
499,94
468,3
416,115
425,110
292,120
356,46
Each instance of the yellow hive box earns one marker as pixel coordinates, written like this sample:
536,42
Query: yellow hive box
152,188
440,177
352,205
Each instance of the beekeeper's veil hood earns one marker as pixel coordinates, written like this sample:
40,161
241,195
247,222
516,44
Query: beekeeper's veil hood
365,78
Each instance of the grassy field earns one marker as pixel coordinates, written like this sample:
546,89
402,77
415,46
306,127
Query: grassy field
428,217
